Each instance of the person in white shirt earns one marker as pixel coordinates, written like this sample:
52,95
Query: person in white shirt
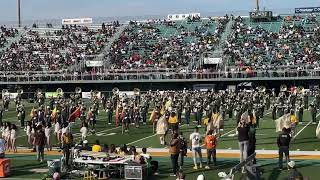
195,139
7,133
47,132
28,129
57,130
84,131
13,137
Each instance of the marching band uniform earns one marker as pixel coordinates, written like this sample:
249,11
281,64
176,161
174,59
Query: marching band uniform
313,112
300,113
109,111
187,113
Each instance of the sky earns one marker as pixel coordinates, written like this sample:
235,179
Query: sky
59,9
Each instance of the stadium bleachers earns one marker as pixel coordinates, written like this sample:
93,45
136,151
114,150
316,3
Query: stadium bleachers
290,40
165,44
43,49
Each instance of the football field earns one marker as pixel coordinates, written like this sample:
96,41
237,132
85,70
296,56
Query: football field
24,163
304,140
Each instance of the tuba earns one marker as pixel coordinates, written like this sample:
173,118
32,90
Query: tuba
136,91
5,91
78,90
115,91
262,89
39,93
20,91
283,88
59,92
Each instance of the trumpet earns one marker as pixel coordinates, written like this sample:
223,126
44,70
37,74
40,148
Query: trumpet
136,91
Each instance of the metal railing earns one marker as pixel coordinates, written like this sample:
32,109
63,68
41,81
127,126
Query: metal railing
153,76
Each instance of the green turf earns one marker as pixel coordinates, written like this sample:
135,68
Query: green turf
144,136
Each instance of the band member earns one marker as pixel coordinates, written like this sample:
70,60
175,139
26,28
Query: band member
83,114
144,111
300,110
199,113
125,118
187,113
6,102
162,127
313,112
136,116
103,101
92,119
1,114
21,115
274,112
109,111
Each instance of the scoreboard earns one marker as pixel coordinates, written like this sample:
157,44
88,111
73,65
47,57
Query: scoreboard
260,15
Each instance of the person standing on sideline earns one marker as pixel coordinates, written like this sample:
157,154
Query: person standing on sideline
211,144
183,149
283,142
243,137
174,152
195,147
40,142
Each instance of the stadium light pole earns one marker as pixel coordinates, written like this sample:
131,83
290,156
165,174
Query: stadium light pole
257,4
19,13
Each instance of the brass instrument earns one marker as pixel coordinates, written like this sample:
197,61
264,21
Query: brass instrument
4,91
39,93
59,92
283,88
20,91
262,89
78,90
300,89
136,91
115,91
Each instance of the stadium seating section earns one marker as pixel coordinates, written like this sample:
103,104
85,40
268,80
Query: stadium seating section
289,40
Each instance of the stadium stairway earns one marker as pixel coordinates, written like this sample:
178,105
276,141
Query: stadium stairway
106,50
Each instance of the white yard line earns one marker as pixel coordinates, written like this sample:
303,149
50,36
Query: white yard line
304,128
142,139
146,138
101,131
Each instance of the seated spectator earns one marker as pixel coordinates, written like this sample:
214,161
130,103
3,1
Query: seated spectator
153,164
96,147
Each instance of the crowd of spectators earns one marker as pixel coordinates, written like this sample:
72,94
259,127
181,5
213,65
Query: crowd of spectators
165,44
6,33
296,44
54,49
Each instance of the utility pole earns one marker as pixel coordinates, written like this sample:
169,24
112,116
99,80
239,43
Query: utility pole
257,4
19,13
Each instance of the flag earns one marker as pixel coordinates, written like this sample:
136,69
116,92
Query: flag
245,116
153,115
318,130
283,122
32,112
75,115
54,113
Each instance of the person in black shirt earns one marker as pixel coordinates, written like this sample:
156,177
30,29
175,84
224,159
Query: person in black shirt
283,142
243,137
